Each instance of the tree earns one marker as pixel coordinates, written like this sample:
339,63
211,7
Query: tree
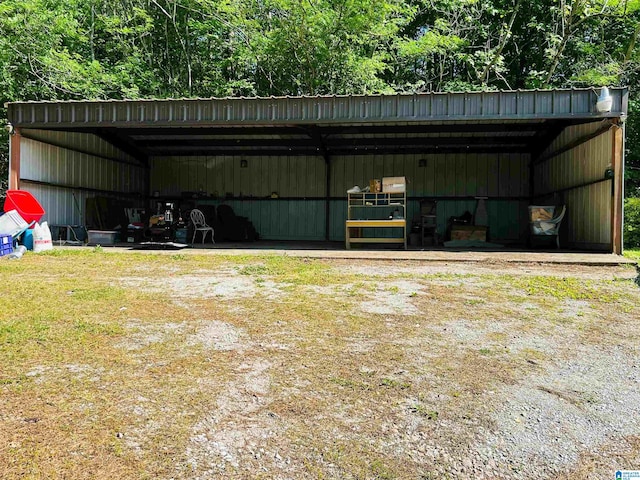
72,49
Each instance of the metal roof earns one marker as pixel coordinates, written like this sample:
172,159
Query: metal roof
484,122
319,110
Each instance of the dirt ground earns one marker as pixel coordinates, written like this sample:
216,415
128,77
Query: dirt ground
272,367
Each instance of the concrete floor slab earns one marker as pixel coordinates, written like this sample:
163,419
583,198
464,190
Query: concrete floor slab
305,250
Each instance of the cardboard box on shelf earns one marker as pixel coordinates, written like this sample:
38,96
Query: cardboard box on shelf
394,185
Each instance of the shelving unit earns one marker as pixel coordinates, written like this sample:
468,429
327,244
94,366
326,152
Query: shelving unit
379,206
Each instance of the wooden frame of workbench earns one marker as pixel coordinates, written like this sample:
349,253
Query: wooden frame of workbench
375,200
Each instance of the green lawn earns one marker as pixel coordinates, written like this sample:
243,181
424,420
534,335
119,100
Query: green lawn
632,253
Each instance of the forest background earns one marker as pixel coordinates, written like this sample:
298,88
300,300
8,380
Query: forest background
102,49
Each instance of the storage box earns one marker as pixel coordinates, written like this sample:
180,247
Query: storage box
134,235
375,185
11,223
102,237
394,185
469,232
6,245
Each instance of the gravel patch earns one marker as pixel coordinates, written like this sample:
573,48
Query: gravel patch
392,298
205,287
385,269
543,424
218,335
387,303
145,334
236,435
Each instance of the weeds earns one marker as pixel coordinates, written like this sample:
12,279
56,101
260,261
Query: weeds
424,411
121,379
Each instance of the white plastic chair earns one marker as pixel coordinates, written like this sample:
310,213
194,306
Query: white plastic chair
548,228
200,225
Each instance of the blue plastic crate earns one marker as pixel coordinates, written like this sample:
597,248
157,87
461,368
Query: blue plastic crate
6,245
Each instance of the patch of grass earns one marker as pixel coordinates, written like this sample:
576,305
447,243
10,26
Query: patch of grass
296,271
53,253
532,355
564,288
381,471
424,411
633,253
472,302
392,383
497,336
255,270
345,382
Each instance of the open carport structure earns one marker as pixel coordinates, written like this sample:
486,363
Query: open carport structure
286,163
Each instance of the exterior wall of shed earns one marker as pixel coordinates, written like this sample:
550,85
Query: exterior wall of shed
299,214
75,164
566,179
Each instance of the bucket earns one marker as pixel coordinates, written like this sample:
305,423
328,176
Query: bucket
25,204
27,239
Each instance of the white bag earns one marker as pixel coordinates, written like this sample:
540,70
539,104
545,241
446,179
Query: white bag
42,238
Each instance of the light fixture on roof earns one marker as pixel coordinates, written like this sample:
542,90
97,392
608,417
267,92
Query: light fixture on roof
603,105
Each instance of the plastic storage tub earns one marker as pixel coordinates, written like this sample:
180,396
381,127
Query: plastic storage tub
25,204
6,245
11,223
181,235
102,237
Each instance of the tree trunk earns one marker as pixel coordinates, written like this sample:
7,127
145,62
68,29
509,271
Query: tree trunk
484,78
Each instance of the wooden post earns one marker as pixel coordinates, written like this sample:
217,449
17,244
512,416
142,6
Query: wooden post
617,163
327,204
14,160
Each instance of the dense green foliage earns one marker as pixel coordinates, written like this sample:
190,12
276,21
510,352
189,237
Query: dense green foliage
72,49
632,222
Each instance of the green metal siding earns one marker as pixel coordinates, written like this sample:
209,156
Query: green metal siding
588,219
450,175
503,178
280,219
289,176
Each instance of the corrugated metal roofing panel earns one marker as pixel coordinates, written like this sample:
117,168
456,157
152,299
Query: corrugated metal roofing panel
355,109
